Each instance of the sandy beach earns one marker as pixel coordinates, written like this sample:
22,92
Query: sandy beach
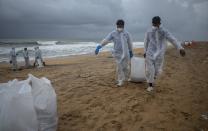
88,99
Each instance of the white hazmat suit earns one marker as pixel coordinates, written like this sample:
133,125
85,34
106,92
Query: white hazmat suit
13,59
26,57
38,55
155,44
122,46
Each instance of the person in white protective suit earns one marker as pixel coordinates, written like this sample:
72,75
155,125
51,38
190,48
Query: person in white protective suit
122,51
13,59
38,55
26,57
155,43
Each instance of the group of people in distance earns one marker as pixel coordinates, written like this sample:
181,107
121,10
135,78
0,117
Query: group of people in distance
25,53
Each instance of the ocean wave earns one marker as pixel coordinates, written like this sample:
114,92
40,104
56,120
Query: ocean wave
18,44
40,43
54,48
30,43
47,42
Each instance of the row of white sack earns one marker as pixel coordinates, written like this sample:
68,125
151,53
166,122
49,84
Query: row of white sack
28,105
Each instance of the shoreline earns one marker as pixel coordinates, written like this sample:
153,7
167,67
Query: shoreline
85,54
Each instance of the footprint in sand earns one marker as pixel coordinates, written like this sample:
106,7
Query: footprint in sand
112,125
205,61
186,115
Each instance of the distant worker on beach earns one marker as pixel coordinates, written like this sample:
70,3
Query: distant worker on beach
154,50
13,59
122,51
38,58
26,57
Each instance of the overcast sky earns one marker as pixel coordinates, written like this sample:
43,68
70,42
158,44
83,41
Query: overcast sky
94,19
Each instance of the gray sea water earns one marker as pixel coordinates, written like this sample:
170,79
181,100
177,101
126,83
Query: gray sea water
52,48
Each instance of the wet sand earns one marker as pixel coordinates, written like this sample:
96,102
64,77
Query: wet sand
88,99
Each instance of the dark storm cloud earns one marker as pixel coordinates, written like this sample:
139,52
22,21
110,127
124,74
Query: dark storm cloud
180,17
64,12
93,19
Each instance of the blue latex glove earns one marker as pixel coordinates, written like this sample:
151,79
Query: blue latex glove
98,49
131,54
